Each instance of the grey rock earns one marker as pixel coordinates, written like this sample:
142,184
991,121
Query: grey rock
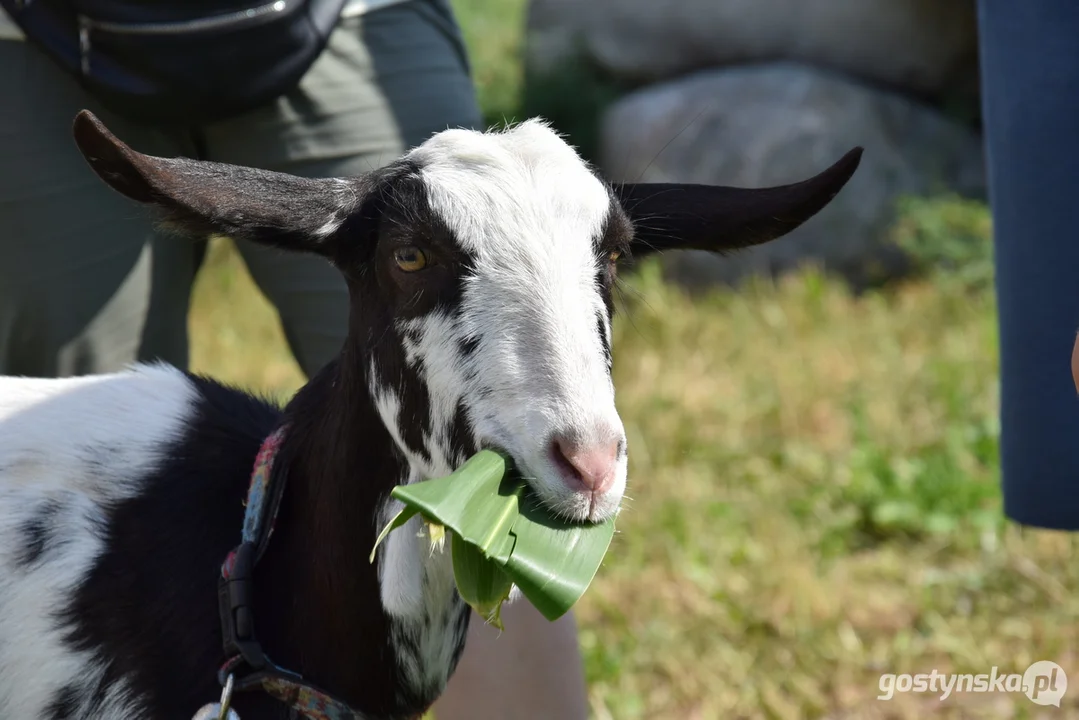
778,123
927,47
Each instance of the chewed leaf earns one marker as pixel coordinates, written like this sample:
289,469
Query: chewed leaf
480,581
398,520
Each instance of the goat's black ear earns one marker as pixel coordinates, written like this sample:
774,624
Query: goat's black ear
205,198
671,216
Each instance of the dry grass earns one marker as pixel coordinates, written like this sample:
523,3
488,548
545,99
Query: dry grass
814,501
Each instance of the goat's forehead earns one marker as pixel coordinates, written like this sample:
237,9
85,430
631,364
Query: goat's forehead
523,186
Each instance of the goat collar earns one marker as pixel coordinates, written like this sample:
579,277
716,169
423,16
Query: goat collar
235,593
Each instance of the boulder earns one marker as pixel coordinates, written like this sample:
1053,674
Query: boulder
772,124
925,47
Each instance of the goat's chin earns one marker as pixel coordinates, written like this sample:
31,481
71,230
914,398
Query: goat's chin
575,506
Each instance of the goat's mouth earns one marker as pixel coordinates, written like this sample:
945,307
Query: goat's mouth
564,488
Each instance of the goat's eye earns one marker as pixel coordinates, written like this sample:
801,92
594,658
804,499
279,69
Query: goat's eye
613,257
410,258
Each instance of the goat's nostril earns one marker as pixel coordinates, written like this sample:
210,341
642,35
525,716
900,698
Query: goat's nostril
591,466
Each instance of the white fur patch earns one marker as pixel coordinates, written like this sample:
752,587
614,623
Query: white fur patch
329,227
346,197
438,355
388,406
82,443
420,596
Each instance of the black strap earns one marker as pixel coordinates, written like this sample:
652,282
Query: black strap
234,595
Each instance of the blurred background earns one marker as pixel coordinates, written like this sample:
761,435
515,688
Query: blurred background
814,480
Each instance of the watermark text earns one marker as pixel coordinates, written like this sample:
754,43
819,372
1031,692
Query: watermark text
1044,682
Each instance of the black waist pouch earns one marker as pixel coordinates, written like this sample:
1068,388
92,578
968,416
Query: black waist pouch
180,63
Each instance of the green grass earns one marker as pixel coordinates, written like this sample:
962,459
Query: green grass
493,33
814,498
813,479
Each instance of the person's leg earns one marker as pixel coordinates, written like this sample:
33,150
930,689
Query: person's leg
174,262
387,82
1030,91
75,262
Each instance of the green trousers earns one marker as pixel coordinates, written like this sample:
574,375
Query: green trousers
87,285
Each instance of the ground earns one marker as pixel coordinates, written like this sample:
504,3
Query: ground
814,482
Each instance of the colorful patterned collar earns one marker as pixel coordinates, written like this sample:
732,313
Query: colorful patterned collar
235,593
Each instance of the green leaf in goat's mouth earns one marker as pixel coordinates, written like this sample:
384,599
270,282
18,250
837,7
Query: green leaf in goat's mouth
502,535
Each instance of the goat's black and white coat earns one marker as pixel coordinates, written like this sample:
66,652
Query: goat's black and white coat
480,269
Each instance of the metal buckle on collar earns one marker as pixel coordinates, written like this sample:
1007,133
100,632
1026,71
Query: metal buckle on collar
237,618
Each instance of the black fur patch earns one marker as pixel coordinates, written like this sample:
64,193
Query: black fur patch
460,434
601,329
469,345
414,413
65,704
460,630
38,533
615,237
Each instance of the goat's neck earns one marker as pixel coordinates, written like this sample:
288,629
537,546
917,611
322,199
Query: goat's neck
339,625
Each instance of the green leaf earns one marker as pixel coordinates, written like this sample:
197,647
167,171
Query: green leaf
503,533
554,561
480,581
398,520
478,502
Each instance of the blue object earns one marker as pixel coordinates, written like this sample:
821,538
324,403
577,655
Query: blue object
1030,98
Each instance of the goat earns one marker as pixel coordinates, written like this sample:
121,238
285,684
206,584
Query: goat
480,268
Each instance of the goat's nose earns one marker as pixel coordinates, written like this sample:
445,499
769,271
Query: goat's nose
588,467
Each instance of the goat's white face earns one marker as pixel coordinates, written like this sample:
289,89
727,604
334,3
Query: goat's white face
480,269
523,348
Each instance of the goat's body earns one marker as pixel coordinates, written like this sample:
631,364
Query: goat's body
70,450
102,524
119,497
